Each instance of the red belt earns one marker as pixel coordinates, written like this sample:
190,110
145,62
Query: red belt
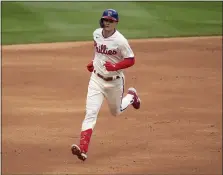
106,78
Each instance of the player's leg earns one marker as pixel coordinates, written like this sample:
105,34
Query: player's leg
117,103
93,104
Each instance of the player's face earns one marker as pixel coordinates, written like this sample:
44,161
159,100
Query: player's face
109,24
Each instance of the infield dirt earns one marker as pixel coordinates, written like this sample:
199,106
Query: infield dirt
177,130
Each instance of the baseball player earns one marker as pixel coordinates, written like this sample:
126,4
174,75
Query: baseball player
112,55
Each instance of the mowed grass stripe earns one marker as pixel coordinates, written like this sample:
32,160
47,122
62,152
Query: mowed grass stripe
34,22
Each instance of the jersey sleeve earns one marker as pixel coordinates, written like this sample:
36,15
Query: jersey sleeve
93,34
126,50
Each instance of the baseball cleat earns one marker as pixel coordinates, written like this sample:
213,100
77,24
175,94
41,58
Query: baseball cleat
77,151
136,103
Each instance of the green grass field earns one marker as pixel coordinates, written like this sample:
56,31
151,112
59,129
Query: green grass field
35,22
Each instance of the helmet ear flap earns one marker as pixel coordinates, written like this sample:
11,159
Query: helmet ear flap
101,23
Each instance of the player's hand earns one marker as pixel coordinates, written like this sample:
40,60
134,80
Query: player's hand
109,66
90,66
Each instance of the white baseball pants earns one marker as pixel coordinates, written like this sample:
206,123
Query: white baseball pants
113,91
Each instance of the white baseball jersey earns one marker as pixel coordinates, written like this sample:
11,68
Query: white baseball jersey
113,49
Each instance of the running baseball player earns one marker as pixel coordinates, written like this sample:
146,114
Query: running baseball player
112,54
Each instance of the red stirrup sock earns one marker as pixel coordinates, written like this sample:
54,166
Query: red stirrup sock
85,140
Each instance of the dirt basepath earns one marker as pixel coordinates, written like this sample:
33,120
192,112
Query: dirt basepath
177,130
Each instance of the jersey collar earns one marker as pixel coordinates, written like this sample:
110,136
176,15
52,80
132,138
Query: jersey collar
110,35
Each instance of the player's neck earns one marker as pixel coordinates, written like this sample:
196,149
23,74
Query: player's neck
107,34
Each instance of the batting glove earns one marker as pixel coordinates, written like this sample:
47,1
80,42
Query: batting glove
109,66
90,67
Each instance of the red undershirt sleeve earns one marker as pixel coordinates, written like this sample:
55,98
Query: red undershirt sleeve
127,62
